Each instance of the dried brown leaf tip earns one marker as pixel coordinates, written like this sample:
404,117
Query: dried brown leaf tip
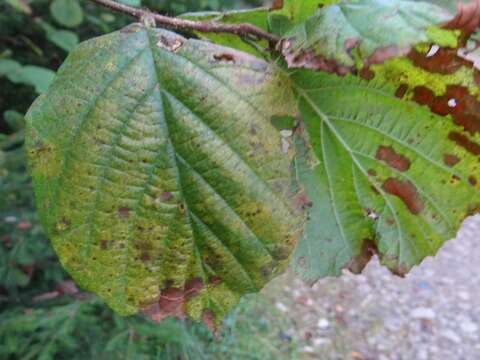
309,59
357,264
467,18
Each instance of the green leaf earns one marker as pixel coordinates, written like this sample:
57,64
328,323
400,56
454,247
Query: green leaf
14,119
299,11
9,67
20,5
338,36
64,39
158,174
67,12
38,77
67,40
383,175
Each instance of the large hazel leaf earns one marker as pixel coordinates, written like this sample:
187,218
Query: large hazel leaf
158,175
367,31
383,175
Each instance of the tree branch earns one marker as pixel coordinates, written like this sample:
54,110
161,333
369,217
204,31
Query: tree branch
242,30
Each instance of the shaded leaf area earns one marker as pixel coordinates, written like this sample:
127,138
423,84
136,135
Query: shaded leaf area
383,176
338,37
158,175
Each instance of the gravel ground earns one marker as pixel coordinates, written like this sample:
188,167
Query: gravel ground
433,313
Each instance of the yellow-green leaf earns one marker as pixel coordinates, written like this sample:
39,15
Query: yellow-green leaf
158,175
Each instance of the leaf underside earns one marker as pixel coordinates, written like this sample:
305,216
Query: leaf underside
385,175
158,175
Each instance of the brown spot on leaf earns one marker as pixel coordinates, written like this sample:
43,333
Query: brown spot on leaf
171,43
457,102
124,212
407,192
171,301
104,244
357,264
472,180
397,161
308,59
401,270
372,172
463,141
445,61
450,160
401,91
473,209
455,178
224,57
366,73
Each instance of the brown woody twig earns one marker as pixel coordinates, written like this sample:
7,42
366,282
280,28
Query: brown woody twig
243,30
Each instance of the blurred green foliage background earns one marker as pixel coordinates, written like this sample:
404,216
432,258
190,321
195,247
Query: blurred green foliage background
42,313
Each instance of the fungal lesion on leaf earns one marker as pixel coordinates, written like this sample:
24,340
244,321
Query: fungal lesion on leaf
171,42
393,159
368,250
224,57
406,191
124,213
450,160
172,301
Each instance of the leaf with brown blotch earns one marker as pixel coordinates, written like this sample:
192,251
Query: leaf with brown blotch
384,175
338,38
159,177
467,18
